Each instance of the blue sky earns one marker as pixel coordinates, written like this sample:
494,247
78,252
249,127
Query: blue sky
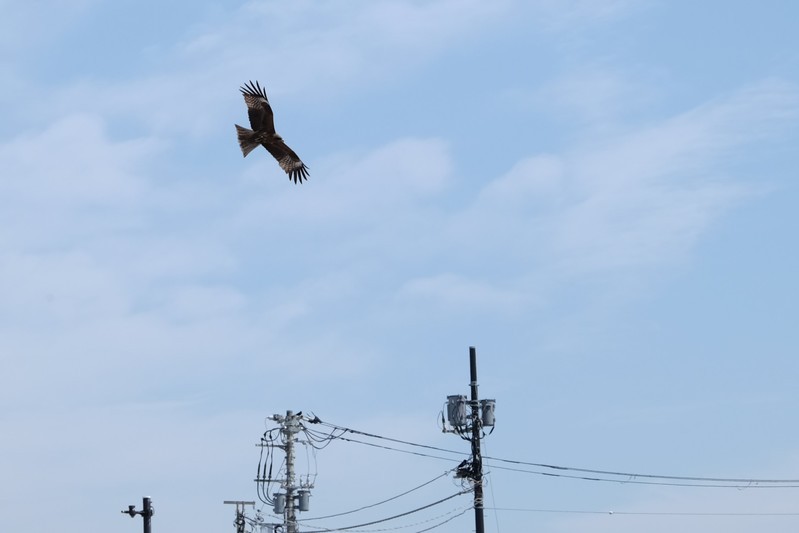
598,195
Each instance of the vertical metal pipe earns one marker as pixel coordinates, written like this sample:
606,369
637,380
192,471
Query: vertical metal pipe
147,513
477,458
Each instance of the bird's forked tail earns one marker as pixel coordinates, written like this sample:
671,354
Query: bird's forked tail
247,140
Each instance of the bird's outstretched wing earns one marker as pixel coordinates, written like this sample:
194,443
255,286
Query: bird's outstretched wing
288,160
258,108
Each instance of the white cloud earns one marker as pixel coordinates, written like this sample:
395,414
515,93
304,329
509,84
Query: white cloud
382,184
131,267
34,25
72,162
531,182
646,197
305,49
637,199
375,225
598,96
451,291
62,288
569,15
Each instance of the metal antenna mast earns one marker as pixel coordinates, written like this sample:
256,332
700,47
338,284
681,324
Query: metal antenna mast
470,427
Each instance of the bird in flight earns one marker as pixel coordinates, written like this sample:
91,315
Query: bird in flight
263,132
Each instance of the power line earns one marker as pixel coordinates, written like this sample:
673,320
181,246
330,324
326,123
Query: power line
415,524
493,498
632,481
383,447
399,441
641,513
380,502
447,520
630,477
649,476
394,517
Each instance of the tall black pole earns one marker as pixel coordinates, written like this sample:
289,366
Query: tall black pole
477,458
147,513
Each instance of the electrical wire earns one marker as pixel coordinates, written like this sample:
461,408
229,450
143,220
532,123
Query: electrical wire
630,477
420,454
630,480
493,498
380,502
394,517
633,481
276,438
641,513
263,487
415,524
445,521
399,441
320,440
752,481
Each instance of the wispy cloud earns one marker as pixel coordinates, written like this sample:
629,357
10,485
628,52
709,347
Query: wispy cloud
142,257
632,202
72,162
572,15
599,97
307,50
448,291
35,25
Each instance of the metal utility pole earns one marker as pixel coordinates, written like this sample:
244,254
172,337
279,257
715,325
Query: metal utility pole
240,522
146,513
295,497
470,427
477,456
290,428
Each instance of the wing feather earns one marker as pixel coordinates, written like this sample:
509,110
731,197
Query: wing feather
258,108
288,160
262,122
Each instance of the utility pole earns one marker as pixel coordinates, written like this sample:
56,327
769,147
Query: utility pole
470,427
295,497
477,456
290,429
240,522
146,513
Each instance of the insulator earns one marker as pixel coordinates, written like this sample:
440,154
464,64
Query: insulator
487,410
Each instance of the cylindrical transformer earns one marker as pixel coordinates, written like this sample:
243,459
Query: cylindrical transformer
487,409
280,503
456,410
304,499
